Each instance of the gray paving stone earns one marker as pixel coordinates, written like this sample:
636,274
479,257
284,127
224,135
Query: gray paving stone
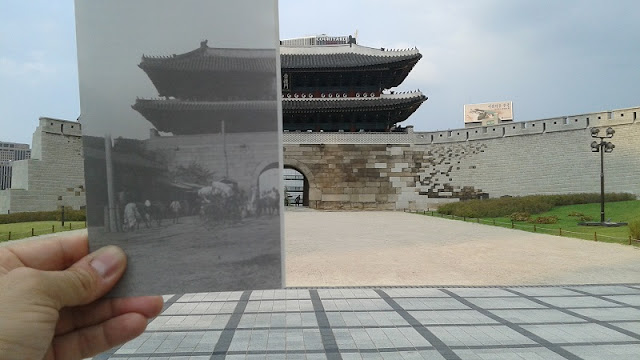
631,326
577,333
633,300
430,304
519,316
544,291
283,324
479,336
481,292
415,292
607,289
451,317
512,353
610,314
579,301
505,303
617,352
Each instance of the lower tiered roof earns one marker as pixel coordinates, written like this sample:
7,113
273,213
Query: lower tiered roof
350,114
182,117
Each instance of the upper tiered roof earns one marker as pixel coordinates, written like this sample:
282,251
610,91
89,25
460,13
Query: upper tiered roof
338,64
342,56
205,58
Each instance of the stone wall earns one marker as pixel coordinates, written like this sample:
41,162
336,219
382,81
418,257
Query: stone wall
387,171
247,154
54,176
421,170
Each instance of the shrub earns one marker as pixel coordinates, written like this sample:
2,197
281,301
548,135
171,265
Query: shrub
634,229
520,216
69,215
533,204
584,218
575,213
545,220
496,207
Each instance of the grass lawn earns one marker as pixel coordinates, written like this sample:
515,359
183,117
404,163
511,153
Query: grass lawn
23,230
623,211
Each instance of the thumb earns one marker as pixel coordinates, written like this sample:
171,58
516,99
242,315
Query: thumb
87,280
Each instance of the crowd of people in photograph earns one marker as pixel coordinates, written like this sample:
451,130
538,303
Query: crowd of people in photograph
222,202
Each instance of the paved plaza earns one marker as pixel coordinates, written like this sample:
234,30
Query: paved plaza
396,248
534,304
564,322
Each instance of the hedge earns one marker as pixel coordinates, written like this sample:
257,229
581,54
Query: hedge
533,204
69,215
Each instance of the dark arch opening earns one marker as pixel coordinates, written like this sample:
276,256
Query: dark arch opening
296,184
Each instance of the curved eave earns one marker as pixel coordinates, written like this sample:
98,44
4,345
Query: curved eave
191,118
209,64
181,105
345,61
291,106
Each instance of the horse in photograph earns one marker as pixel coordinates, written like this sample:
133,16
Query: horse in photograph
269,202
222,201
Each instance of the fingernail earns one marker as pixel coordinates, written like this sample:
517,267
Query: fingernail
107,260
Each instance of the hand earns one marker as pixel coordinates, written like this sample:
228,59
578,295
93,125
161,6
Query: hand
49,307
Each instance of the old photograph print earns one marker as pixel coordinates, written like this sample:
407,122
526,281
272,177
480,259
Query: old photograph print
180,116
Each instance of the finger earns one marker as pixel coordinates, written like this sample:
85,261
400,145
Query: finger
54,253
85,281
80,317
98,338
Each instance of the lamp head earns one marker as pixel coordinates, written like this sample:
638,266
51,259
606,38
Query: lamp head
595,147
610,132
594,132
608,147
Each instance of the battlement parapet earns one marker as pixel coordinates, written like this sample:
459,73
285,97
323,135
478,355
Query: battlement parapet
556,124
61,127
347,138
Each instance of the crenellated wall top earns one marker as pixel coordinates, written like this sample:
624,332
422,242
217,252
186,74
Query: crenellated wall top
557,124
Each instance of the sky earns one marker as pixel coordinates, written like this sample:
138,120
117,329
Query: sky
551,58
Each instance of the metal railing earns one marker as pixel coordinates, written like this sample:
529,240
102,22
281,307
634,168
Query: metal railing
530,227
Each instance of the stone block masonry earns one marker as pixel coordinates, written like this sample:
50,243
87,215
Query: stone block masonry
550,156
54,176
377,171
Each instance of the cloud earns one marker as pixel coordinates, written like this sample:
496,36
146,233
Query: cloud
33,69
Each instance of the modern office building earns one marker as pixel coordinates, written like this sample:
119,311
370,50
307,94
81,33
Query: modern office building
10,152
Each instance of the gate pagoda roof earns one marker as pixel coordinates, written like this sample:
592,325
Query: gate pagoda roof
380,113
206,85
401,100
206,58
343,56
182,117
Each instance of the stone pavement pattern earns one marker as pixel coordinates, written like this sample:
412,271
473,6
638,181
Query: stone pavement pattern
439,321
554,322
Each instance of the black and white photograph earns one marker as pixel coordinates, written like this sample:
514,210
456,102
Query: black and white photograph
180,113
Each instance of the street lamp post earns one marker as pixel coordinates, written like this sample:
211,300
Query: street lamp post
602,147
61,210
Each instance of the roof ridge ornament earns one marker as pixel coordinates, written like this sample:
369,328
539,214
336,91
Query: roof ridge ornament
203,44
